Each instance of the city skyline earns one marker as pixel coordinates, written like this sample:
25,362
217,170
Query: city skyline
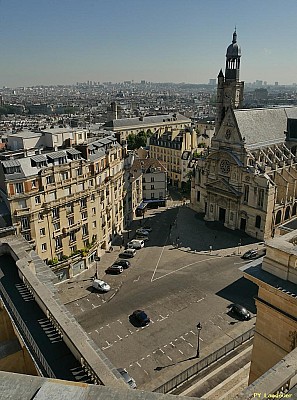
64,42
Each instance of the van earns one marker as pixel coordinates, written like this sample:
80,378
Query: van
128,253
100,285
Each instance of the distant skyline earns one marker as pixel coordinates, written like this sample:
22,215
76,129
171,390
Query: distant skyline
45,42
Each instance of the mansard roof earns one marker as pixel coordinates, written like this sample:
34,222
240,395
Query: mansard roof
267,125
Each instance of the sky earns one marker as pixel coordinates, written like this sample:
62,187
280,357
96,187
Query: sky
50,42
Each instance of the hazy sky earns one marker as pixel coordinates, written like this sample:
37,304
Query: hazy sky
65,41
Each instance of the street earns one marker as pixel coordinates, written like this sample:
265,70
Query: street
177,289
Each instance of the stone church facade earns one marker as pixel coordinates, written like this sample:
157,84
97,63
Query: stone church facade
247,178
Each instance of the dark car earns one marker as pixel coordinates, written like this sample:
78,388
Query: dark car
250,254
240,312
124,263
114,269
130,381
141,317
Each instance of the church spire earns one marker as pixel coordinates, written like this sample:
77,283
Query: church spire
233,55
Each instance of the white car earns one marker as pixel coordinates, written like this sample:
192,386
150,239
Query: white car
100,285
135,244
142,231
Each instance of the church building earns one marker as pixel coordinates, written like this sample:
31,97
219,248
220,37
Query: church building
247,179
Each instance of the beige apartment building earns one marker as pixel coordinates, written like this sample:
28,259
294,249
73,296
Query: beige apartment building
161,123
174,149
69,207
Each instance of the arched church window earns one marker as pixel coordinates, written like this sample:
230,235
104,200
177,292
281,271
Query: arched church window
278,217
287,213
294,209
258,221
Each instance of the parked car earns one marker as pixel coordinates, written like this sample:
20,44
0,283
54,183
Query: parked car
124,263
135,244
100,285
141,317
250,254
142,231
130,381
114,269
240,312
128,253
142,237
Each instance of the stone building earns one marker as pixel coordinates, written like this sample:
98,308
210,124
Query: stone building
68,206
276,302
126,126
247,178
174,149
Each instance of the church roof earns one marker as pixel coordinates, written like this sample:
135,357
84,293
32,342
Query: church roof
264,126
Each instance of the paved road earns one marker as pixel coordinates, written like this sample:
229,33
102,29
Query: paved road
177,289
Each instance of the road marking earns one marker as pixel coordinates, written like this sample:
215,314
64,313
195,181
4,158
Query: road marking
172,344
180,351
138,364
107,347
101,327
165,345
108,344
119,321
88,299
182,338
131,365
186,333
162,351
126,335
82,310
198,301
115,341
169,358
94,306
136,280
145,372
142,358
219,327
190,344
155,270
148,355
119,337
179,269
107,325
90,333
96,330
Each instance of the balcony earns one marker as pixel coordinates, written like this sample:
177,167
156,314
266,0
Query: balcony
75,227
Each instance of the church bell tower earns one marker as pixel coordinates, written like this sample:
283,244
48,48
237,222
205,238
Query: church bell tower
229,88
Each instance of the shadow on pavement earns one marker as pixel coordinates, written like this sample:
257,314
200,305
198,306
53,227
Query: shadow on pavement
241,291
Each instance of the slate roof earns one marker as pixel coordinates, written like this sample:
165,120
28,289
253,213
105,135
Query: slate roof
146,163
263,126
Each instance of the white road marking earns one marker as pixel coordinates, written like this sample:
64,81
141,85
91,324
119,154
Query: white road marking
138,363
93,305
198,301
90,333
155,270
96,330
165,345
193,333
126,335
136,280
169,358
182,338
173,345
131,365
119,337
186,333
148,355
180,351
162,351
108,344
101,327
190,344
88,299
115,341
107,347
145,372
142,358
179,269
119,321
82,310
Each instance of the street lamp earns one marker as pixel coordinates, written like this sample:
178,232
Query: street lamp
199,327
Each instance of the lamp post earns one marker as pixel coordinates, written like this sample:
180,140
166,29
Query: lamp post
199,327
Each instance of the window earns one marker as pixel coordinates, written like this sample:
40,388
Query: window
79,171
246,193
261,198
94,224
73,249
198,195
56,226
22,204
25,223
27,236
83,203
33,183
85,230
42,231
94,210
43,247
152,179
91,183
152,195
258,221
64,175
55,213
58,242
70,221
278,217
92,197
152,187
37,200
84,215
72,237
19,188
50,179
40,217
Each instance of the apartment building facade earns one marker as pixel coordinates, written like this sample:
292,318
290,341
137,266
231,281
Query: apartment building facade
68,207
174,149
